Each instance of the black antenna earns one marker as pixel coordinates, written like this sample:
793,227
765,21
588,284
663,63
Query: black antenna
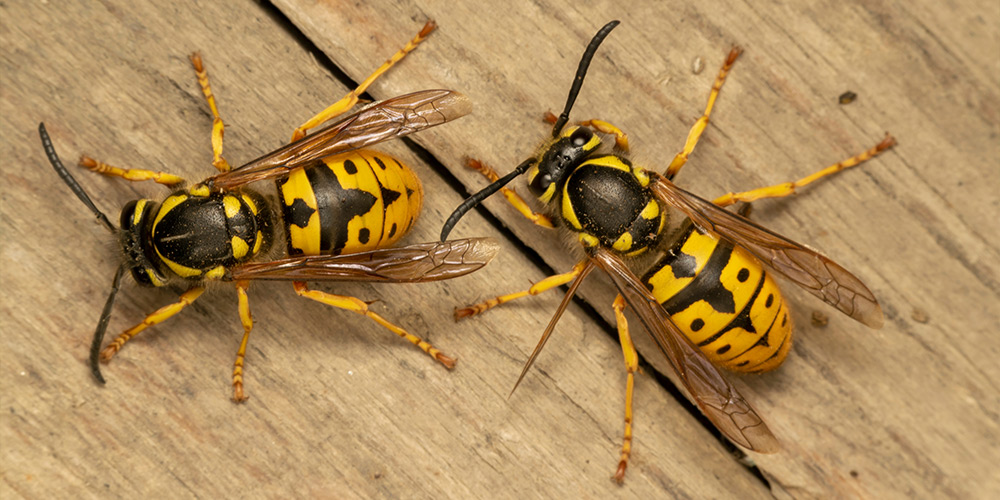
581,71
486,192
477,198
102,324
68,179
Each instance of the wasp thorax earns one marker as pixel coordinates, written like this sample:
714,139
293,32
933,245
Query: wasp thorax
197,234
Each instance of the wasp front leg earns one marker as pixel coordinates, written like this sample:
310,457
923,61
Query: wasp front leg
621,139
544,285
348,101
699,126
788,188
512,197
130,174
358,306
218,161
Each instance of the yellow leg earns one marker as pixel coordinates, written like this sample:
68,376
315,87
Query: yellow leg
360,307
247,320
542,286
348,101
217,128
699,126
129,174
787,188
621,140
156,317
632,366
512,197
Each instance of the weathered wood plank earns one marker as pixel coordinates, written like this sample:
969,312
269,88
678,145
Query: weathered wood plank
909,409
338,407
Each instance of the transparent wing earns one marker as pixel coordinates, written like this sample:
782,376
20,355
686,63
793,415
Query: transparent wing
817,274
377,122
409,264
717,398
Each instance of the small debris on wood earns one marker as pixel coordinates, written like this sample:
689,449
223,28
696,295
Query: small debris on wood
820,319
697,65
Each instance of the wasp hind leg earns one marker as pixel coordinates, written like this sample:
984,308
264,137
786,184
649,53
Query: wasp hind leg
631,366
154,318
788,188
512,197
349,100
546,284
357,305
699,126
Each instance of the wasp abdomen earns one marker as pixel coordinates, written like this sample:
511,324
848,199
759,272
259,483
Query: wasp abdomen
351,203
724,301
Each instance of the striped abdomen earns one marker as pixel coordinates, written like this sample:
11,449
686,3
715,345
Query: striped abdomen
724,301
349,203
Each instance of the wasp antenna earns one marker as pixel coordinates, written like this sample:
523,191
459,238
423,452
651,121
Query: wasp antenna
581,71
68,178
477,198
102,326
552,322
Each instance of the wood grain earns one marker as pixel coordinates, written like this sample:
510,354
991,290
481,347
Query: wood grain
340,408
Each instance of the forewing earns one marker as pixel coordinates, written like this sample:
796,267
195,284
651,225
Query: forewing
409,264
819,275
718,399
377,122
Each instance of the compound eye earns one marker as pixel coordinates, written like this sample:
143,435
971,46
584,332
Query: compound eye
539,184
128,214
141,277
580,137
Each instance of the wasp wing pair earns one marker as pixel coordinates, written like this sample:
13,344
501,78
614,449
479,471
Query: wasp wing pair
410,264
716,396
377,122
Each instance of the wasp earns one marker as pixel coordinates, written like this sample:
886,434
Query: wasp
709,299
338,207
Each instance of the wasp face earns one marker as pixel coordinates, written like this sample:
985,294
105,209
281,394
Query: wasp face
135,222
560,158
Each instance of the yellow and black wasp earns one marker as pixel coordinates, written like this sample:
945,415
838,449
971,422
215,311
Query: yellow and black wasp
337,206
709,299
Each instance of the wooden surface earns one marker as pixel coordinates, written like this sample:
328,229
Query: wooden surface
340,408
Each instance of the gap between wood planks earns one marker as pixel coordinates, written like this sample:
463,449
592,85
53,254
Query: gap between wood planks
456,185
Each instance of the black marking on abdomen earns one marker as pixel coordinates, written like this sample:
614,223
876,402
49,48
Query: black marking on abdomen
742,320
336,206
298,213
776,353
707,286
388,196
